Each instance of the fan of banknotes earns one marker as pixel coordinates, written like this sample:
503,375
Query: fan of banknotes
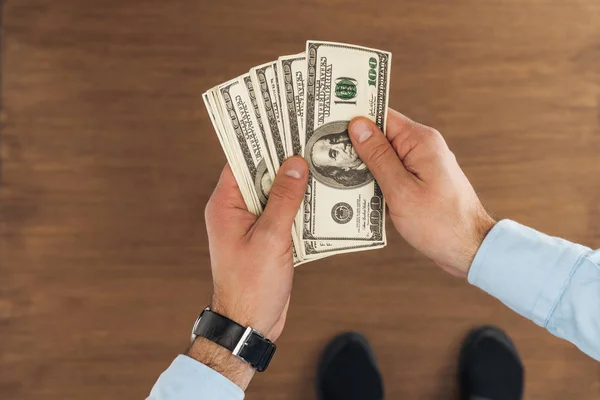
301,105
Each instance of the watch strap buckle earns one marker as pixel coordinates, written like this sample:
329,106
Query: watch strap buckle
243,342
255,349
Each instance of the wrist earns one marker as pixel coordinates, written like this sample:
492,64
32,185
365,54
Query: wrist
221,360
483,224
240,315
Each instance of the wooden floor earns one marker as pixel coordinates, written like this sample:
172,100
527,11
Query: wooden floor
108,158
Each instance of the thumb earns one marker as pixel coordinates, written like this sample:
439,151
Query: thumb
286,194
377,153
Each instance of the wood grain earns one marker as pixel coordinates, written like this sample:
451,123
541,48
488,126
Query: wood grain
108,158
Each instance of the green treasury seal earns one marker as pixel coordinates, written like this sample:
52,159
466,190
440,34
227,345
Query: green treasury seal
345,88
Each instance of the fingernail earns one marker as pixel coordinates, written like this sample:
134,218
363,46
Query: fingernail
294,167
292,173
361,130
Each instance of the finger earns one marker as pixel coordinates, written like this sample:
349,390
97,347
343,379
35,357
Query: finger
227,191
377,153
405,135
285,197
226,205
398,125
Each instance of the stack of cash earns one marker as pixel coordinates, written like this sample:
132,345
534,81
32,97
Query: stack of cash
301,105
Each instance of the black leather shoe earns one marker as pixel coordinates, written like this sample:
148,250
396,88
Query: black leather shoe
489,366
348,370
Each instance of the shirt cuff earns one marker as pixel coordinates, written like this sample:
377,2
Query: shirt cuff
525,269
188,379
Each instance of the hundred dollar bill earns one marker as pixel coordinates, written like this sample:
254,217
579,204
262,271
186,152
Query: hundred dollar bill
343,201
292,76
250,90
264,78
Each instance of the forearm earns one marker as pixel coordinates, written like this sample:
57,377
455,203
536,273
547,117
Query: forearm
554,282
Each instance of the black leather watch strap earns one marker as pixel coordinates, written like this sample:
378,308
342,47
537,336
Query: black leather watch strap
219,329
245,343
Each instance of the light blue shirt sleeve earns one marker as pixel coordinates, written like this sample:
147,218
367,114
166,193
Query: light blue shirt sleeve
188,379
549,280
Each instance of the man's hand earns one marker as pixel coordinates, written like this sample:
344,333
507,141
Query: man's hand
252,263
430,200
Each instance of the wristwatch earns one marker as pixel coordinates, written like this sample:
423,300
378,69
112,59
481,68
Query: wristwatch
246,344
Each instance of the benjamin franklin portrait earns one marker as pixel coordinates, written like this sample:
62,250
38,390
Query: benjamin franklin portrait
333,160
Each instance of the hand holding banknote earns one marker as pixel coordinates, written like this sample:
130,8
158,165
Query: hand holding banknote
251,256
301,104
430,200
